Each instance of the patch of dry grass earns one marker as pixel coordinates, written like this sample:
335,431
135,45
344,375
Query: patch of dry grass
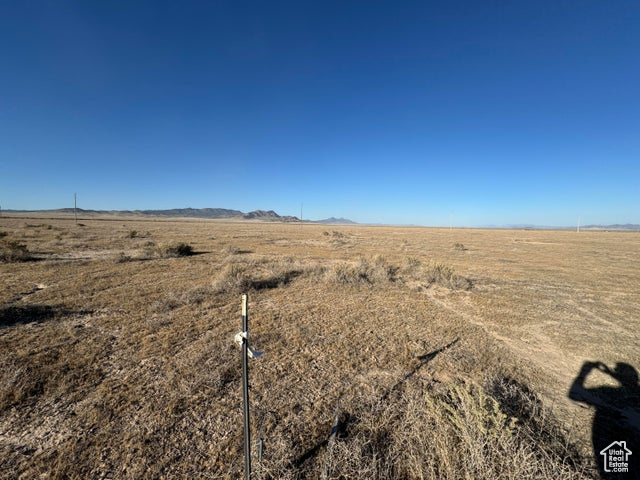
52,371
128,369
449,431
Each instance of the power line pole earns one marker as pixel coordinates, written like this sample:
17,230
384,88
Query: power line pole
75,202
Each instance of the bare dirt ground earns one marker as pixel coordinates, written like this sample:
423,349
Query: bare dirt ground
118,360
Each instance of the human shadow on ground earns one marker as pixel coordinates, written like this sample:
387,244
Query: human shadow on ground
615,433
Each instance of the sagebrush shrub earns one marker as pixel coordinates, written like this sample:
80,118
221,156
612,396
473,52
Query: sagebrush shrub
13,251
175,250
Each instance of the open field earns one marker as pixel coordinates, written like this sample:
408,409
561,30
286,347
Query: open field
445,353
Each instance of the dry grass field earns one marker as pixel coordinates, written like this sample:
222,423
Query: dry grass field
445,354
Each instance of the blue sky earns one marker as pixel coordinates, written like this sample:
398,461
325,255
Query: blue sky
390,112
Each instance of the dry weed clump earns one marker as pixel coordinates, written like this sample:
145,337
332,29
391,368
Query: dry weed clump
257,274
452,431
463,432
137,234
444,275
231,279
229,250
123,258
334,234
337,239
13,251
377,271
411,264
173,250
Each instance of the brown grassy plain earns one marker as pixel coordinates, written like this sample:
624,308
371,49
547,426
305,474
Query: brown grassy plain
445,353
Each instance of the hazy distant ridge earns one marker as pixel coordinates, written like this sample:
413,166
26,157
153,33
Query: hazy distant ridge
527,226
174,212
615,226
267,215
195,212
337,221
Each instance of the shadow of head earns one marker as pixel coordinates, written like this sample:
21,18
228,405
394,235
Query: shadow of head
626,374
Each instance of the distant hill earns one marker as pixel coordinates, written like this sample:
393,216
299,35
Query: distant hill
269,215
194,212
261,214
615,226
265,215
174,212
337,221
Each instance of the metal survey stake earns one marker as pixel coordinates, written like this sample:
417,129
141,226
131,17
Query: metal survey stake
245,385
242,340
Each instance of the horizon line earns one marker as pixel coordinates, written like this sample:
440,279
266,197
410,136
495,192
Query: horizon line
628,226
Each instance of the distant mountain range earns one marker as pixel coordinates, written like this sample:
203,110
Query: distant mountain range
337,221
264,215
616,226
193,212
271,216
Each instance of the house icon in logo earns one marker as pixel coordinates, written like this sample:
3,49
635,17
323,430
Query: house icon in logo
616,457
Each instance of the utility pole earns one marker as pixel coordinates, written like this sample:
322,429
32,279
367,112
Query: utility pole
75,203
578,229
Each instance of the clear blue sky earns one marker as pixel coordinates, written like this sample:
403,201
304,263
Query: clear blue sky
396,112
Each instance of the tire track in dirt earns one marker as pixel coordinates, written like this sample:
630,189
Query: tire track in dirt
16,298
558,366
603,321
538,349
